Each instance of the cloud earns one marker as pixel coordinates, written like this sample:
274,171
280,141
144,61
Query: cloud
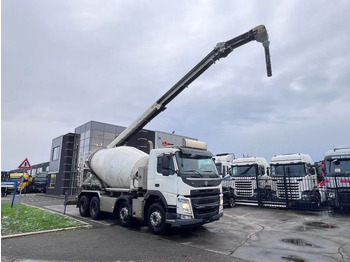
66,63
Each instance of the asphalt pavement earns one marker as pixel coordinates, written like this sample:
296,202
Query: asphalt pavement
245,233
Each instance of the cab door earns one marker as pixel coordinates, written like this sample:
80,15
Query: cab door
166,178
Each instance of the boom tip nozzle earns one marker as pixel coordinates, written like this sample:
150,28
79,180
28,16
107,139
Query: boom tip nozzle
266,45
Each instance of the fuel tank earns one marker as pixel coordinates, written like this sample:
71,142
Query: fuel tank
118,165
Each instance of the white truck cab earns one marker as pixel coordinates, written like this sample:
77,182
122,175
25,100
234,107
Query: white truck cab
294,179
337,177
248,175
240,175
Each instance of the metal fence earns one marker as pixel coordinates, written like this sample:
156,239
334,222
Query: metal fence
306,193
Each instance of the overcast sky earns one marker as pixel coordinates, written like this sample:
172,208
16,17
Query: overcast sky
65,63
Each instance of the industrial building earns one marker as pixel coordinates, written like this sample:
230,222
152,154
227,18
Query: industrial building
70,151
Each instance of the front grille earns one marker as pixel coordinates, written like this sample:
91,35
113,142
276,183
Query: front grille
205,207
244,188
292,188
344,196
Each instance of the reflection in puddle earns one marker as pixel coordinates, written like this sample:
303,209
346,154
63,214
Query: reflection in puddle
293,259
298,242
318,224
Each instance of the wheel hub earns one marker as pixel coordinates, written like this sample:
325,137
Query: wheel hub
156,218
124,213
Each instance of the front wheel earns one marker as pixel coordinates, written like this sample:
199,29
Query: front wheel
156,219
231,202
95,211
317,199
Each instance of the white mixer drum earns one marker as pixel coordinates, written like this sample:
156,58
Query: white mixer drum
116,166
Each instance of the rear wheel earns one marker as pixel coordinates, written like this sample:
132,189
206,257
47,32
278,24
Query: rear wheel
124,214
95,211
156,219
84,205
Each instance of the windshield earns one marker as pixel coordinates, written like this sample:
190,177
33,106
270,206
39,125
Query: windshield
196,165
219,168
244,171
338,166
293,170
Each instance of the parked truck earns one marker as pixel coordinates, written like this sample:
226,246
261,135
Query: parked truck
223,163
250,179
176,186
40,182
337,177
294,180
247,178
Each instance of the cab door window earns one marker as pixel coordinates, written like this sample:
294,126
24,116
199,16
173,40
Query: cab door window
165,165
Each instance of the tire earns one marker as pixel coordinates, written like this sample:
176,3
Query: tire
84,206
156,219
231,202
317,199
125,214
95,211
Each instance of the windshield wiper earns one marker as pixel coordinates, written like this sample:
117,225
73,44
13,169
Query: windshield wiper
211,172
194,171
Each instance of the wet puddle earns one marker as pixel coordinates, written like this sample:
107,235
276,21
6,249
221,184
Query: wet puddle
318,224
298,242
293,259
315,225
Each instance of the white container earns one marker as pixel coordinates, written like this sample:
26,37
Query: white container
117,166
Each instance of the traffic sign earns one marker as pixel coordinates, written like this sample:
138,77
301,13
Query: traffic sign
25,164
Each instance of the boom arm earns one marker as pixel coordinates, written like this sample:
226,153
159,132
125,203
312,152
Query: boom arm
258,33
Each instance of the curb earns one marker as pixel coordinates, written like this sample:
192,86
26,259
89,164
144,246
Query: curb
86,225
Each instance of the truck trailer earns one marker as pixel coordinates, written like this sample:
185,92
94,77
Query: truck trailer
176,186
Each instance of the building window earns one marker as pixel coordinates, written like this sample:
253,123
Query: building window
52,180
55,153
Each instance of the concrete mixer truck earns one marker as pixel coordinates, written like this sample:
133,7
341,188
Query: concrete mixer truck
170,186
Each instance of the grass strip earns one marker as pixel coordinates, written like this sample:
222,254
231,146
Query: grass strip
31,219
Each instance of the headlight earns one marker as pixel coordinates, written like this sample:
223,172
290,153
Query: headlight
185,205
305,195
331,194
221,207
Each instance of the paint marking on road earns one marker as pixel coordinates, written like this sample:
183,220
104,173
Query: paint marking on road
189,244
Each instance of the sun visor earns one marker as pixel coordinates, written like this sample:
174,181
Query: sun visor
190,151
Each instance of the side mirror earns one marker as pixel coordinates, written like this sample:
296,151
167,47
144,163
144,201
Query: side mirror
311,170
261,170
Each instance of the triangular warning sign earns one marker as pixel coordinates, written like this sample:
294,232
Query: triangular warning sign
25,164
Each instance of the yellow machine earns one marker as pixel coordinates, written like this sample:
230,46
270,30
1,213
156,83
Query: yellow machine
27,181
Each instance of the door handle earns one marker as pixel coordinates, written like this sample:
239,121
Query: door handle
157,185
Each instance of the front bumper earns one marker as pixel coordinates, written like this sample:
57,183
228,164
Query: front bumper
193,222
